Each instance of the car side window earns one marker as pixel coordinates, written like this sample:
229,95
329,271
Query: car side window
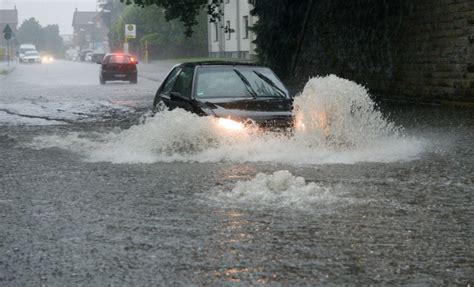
169,84
184,82
106,60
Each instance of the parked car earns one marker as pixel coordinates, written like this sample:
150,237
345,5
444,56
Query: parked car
118,67
88,57
235,91
82,55
25,48
97,57
31,57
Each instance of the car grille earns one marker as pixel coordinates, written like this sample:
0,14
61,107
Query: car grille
277,124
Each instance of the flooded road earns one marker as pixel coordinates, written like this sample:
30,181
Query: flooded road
93,192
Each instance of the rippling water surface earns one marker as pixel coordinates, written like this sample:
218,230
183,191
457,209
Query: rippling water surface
356,195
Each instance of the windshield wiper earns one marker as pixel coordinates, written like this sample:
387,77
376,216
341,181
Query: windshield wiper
271,83
248,86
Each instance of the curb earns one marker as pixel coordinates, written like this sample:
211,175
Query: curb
5,71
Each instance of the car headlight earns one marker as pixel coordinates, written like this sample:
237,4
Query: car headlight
229,124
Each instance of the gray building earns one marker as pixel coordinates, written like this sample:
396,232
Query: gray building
8,17
89,31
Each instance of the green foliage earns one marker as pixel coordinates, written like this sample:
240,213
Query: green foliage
164,38
29,32
186,11
50,40
45,38
114,8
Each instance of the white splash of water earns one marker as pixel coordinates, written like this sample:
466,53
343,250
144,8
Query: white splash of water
337,119
278,190
337,112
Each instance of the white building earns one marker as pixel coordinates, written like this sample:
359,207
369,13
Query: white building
231,37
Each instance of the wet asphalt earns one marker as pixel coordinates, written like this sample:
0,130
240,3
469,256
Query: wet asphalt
65,221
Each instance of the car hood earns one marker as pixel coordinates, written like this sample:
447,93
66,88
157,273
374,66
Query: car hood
31,57
256,109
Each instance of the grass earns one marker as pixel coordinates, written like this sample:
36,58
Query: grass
3,72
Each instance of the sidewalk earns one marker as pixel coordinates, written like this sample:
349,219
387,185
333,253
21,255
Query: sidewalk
156,70
6,68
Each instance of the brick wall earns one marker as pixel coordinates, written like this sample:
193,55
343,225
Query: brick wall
419,51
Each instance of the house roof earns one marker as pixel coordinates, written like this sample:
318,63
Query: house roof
9,16
83,17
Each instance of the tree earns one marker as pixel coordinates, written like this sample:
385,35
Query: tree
163,38
111,10
50,40
44,38
187,11
29,32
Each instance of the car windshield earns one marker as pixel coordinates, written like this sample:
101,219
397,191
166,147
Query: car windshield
31,53
238,82
120,59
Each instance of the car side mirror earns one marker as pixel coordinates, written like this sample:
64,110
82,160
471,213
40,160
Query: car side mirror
177,97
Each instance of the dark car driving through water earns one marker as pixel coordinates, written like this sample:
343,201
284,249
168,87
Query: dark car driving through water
235,91
118,67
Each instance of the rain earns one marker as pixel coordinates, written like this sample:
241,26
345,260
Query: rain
235,142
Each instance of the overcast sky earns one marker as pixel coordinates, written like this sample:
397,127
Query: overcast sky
49,11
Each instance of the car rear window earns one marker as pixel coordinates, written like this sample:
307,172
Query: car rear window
120,59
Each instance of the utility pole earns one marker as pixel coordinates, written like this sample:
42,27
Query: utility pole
146,51
7,34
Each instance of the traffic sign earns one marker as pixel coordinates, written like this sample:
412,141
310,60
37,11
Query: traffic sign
7,32
130,31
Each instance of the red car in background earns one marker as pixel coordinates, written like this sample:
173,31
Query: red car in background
118,67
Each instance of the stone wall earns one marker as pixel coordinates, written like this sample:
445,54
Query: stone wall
421,51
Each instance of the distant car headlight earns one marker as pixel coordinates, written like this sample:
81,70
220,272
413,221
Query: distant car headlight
47,59
229,124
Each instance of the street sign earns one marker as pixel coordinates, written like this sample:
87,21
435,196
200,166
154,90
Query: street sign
7,32
130,31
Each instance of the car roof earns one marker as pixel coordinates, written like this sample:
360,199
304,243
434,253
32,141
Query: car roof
219,63
117,54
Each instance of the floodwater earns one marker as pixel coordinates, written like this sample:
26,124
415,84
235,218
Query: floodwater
357,195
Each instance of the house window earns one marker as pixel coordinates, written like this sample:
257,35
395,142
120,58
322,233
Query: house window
246,27
216,32
228,30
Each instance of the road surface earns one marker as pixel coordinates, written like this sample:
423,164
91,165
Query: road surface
95,192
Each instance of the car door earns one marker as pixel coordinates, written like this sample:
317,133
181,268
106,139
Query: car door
179,82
